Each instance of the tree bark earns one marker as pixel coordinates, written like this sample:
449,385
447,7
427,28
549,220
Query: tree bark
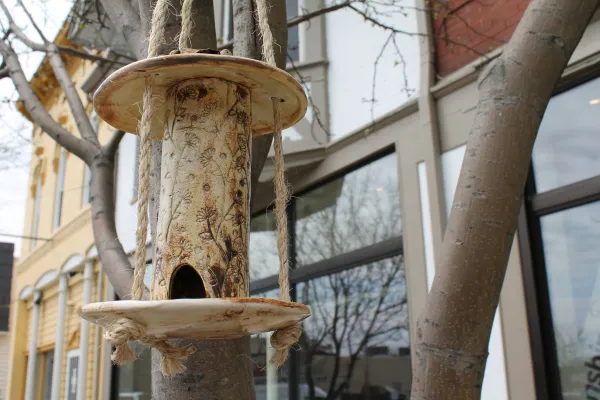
247,43
454,329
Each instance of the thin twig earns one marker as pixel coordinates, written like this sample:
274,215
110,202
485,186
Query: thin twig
35,26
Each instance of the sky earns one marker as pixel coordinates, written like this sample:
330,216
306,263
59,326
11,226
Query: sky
14,128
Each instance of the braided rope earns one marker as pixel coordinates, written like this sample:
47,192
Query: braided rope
283,339
187,25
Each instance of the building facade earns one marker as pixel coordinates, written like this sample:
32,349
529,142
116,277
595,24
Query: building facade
373,166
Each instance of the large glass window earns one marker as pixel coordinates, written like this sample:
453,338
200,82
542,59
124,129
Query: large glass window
572,258
560,239
357,210
356,343
567,149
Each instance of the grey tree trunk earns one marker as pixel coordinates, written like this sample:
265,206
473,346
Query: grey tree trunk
454,329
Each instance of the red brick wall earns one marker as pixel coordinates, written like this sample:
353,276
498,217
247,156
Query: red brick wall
466,29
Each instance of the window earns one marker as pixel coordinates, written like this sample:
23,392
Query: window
293,52
347,266
572,257
60,189
351,212
71,375
355,344
134,379
567,149
48,358
87,180
36,210
559,233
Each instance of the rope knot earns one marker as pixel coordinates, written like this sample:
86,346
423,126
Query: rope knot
123,330
282,340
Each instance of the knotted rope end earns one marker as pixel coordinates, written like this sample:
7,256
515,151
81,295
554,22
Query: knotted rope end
282,340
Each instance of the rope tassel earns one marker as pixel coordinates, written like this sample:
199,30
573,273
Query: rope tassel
283,339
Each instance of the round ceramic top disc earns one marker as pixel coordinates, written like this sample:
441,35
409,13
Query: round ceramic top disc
118,100
200,318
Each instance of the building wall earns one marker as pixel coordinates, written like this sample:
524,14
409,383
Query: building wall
4,347
73,237
466,29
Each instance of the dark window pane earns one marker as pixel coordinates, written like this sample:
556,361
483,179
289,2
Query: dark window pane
135,380
572,258
567,149
293,35
264,259
356,343
357,210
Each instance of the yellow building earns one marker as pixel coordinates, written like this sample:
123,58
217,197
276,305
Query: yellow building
58,271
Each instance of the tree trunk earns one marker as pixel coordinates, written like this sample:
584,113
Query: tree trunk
454,329
109,247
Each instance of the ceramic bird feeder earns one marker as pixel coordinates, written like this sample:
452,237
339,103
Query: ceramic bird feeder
209,107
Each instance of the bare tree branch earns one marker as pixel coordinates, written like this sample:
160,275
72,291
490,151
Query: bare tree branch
37,110
75,104
18,32
4,73
88,56
35,25
308,16
113,144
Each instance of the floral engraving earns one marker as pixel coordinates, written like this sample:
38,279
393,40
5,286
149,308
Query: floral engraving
204,196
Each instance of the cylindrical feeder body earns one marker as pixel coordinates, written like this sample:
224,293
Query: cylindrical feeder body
203,221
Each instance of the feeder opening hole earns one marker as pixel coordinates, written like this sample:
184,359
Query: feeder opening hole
186,283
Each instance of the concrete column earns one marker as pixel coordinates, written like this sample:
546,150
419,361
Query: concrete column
84,336
31,364
60,337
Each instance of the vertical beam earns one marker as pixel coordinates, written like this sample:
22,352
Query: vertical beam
84,336
30,391
60,337
430,125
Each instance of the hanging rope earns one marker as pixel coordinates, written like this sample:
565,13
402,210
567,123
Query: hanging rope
187,25
125,329
283,339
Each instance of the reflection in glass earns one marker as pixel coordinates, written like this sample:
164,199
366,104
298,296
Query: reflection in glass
269,383
572,259
357,210
264,260
293,52
135,381
356,343
567,149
